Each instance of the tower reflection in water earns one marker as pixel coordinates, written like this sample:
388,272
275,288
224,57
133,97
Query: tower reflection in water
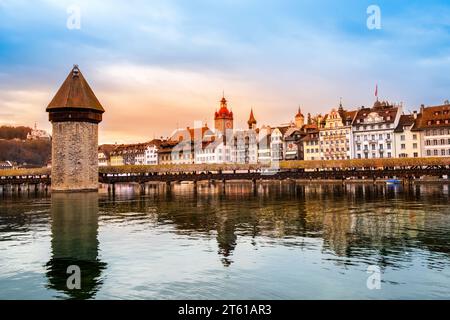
75,243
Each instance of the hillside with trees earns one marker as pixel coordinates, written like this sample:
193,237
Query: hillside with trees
9,133
34,152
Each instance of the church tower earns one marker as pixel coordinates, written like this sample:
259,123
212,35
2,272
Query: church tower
223,119
75,114
299,119
251,121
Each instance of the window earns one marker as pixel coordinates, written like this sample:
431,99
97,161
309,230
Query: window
414,136
435,152
403,146
414,145
402,137
389,155
416,155
442,152
428,152
388,145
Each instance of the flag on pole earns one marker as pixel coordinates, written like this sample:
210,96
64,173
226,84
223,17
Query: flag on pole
376,91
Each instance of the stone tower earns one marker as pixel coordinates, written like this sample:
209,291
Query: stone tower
75,114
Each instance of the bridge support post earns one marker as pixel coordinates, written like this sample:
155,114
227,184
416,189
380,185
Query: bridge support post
254,186
224,184
142,188
195,187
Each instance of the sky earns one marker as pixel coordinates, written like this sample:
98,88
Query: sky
160,65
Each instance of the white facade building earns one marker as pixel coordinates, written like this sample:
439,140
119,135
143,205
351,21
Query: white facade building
408,139
373,131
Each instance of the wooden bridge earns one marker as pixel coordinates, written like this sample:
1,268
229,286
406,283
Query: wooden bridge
407,169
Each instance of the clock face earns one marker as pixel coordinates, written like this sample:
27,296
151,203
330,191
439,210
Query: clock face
228,125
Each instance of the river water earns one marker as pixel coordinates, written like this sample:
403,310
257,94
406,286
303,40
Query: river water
280,241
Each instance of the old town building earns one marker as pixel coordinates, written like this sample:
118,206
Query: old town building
311,149
165,151
264,150
373,131
277,144
335,137
186,143
293,145
38,134
104,154
245,144
434,123
408,139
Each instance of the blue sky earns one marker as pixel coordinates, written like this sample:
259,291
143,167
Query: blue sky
156,65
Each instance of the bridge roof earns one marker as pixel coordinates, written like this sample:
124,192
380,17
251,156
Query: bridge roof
75,93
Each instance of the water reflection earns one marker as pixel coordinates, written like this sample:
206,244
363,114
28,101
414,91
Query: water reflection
377,224
74,231
283,240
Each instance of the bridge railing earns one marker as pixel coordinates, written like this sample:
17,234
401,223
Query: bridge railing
353,164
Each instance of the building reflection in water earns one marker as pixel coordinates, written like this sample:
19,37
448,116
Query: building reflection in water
74,242
377,224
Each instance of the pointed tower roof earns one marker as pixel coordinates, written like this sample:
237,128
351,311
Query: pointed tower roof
299,113
341,108
251,119
75,93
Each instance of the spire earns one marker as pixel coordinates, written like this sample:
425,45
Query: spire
341,108
251,121
299,113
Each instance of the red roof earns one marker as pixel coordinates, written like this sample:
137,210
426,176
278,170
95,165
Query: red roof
435,117
223,112
252,119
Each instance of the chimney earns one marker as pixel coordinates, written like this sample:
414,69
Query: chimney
422,107
415,114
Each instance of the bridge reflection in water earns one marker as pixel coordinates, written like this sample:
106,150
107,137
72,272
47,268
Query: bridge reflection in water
74,242
217,241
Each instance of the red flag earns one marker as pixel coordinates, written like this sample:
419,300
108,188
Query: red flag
376,91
